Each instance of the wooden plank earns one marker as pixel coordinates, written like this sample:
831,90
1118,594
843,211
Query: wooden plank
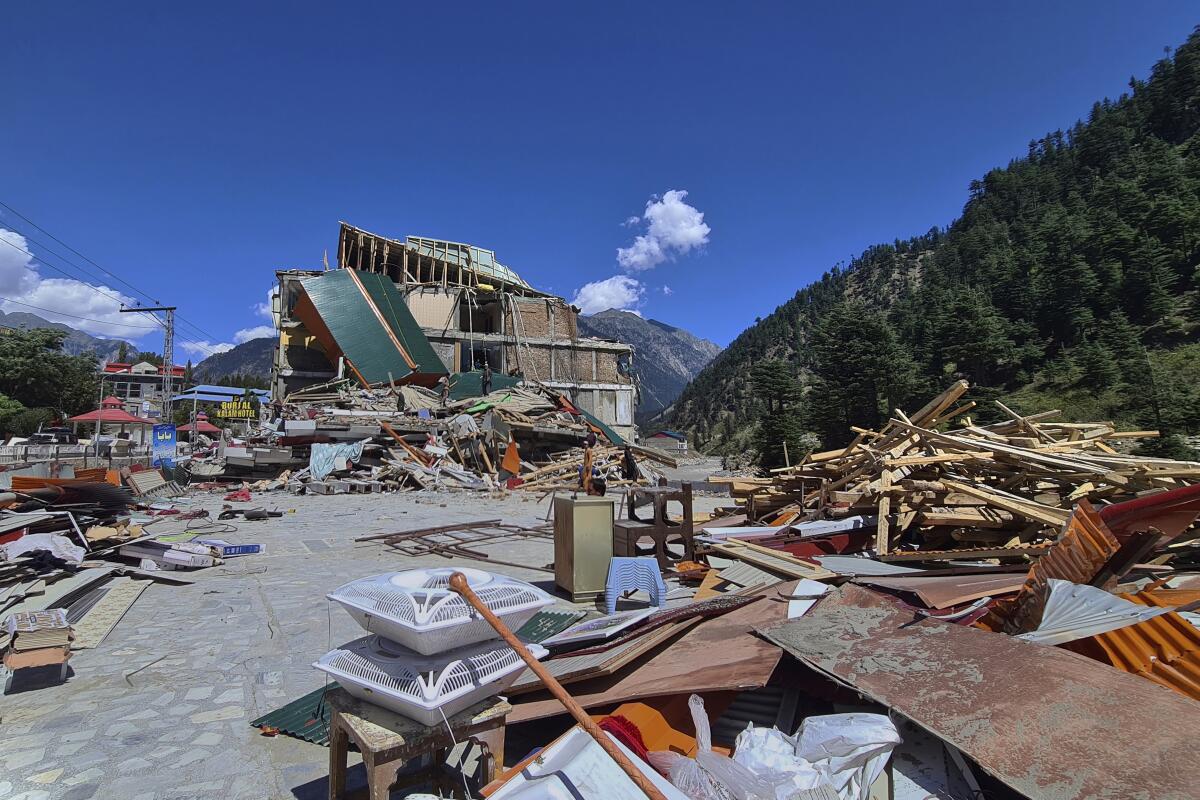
1025,508
772,560
1024,423
940,403
940,458
882,533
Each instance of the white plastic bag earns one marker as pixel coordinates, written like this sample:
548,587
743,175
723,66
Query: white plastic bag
771,755
844,751
710,776
686,775
849,750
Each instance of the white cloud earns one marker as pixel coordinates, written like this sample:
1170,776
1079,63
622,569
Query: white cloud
264,309
620,291
631,221
257,332
203,348
668,291
672,228
94,309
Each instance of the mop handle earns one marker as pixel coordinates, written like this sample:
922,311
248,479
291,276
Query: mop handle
458,583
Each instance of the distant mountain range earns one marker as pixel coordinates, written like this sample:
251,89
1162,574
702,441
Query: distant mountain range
248,358
76,343
665,358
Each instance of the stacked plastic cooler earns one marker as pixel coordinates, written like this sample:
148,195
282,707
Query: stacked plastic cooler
429,652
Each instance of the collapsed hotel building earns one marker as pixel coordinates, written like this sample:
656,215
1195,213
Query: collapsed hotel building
464,305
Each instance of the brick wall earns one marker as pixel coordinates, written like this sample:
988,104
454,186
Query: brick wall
606,368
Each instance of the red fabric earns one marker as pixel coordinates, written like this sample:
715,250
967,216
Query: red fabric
240,496
627,733
12,536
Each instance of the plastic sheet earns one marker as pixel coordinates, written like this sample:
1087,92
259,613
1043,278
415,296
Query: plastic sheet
323,457
843,751
710,776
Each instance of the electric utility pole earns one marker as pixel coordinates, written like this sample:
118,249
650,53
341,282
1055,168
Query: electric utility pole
168,352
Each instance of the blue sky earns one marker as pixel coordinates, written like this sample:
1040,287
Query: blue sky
192,150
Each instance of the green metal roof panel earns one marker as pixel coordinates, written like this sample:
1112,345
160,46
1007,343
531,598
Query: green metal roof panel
305,718
470,384
370,323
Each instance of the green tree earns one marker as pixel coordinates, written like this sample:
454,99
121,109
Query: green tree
123,352
780,435
861,371
35,372
1079,255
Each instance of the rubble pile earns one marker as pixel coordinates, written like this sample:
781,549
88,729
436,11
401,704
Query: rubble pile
340,438
936,481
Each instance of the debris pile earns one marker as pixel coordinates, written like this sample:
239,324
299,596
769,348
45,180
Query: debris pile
339,438
935,482
76,552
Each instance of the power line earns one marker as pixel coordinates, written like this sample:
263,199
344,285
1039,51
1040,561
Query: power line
81,255
42,260
59,269
180,317
76,316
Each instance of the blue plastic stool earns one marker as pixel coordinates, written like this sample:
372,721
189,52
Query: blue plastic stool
629,574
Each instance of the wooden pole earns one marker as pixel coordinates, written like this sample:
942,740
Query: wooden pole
458,582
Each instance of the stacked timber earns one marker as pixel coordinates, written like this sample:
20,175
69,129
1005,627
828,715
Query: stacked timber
948,480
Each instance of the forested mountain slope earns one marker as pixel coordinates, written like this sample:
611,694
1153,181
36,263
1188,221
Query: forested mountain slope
1069,281
665,358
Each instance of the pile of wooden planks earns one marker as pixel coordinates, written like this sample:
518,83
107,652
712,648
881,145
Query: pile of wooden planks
1008,483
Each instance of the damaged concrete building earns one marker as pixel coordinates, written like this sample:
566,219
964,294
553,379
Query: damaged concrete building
472,310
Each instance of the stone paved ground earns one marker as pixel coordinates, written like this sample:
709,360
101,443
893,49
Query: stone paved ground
160,710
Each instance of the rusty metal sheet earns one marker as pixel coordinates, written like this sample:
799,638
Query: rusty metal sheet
1165,649
1049,723
1084,548
1170,512
967,553
944,591
717,655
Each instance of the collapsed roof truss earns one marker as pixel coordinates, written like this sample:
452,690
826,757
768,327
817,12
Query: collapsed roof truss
425,262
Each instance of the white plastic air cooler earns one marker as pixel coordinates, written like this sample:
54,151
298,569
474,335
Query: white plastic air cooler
424,687
417,609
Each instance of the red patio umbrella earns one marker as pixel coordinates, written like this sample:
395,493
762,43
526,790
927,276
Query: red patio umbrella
114,416
202,425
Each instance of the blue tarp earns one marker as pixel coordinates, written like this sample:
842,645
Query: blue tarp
323,458
209,393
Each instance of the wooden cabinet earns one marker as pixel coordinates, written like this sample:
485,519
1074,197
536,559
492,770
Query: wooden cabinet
583,545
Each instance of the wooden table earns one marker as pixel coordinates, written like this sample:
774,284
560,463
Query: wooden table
389,741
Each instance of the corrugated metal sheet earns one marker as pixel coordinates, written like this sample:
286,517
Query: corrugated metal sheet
1044,721
306,718
364,317
766,707
1165,649
744,574
1075,611
1085,546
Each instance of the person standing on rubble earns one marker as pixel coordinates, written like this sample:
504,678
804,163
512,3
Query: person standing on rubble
630,466
444,387
485,383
